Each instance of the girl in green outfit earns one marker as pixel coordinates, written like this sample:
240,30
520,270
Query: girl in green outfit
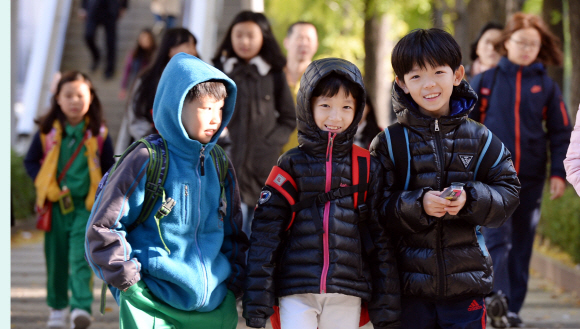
66,160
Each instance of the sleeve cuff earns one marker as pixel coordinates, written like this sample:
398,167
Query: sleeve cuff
256,322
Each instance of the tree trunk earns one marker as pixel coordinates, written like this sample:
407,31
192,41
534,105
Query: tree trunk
480,13
513,6
461,25
551,8
377,65
574,15
438,10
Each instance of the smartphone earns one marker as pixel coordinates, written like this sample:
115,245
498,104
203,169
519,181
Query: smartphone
452,192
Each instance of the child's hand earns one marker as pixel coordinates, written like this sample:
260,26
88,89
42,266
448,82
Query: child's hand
434,205
455,206
557,187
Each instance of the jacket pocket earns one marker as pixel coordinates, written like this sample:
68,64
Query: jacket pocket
185,204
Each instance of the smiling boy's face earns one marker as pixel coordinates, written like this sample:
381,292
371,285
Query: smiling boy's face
334,114
431,87
202,117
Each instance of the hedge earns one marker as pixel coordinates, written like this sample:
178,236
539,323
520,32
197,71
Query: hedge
560,222
21,188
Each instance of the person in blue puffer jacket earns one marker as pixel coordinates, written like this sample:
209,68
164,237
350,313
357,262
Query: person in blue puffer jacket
185,270
521,105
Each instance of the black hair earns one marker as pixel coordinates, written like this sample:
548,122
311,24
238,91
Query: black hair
291,27
330,86
425,46
485,28
95,112
215,89
270,51
149,79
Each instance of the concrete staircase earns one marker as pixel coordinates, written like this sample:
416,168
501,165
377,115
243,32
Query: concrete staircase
76,56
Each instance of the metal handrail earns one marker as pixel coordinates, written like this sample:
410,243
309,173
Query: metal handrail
45,59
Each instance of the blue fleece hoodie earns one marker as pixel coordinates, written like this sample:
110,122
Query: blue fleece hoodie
194,275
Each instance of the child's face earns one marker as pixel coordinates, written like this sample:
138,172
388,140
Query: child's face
202,118
145,40
186,47
431,87
247,40
334,113
74,100
523,46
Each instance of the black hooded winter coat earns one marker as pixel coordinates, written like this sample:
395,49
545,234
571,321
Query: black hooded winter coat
300,260
445,258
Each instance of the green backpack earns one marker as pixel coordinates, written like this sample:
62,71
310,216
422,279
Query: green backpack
156,175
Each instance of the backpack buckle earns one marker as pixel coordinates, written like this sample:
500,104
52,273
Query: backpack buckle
363,212
223,207
165,208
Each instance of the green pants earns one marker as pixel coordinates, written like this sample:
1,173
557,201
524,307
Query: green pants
66,267
139,309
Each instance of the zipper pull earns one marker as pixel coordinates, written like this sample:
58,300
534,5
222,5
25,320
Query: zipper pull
436,124
202,160
329,149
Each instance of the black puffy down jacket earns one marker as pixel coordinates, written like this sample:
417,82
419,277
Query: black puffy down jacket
298,261
442,258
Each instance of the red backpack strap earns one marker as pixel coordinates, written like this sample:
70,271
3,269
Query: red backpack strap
361,163
282,182
487,82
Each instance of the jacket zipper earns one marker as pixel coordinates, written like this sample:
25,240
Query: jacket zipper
439,223
205,281
326,213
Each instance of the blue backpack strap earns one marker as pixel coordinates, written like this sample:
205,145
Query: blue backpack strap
398,144
489,156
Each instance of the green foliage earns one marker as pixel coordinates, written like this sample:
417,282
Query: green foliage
21,188
340,23
560,222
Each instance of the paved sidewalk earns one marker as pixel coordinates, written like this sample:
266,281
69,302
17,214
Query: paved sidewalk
545,307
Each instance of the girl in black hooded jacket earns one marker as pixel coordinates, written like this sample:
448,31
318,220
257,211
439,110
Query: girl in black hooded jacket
314,259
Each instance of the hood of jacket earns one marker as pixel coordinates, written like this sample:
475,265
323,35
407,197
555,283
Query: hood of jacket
181,74
463,100
310,137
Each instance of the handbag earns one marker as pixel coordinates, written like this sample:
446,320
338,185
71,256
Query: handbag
44,214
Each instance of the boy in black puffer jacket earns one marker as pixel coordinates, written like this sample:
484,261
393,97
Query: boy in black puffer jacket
311,245
443,263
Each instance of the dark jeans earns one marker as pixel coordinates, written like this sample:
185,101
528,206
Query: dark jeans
110,25
418,313
510,245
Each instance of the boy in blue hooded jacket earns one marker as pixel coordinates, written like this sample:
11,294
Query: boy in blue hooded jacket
185,271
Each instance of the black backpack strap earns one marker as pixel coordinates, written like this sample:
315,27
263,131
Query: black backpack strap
487,81
156,175
398,144
489,157
220,160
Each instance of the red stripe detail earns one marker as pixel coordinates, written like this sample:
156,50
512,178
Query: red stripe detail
484,318
517,119
271,182
545,113
564,113
482,109
357,152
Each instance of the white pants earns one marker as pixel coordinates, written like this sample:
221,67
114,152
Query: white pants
322,311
